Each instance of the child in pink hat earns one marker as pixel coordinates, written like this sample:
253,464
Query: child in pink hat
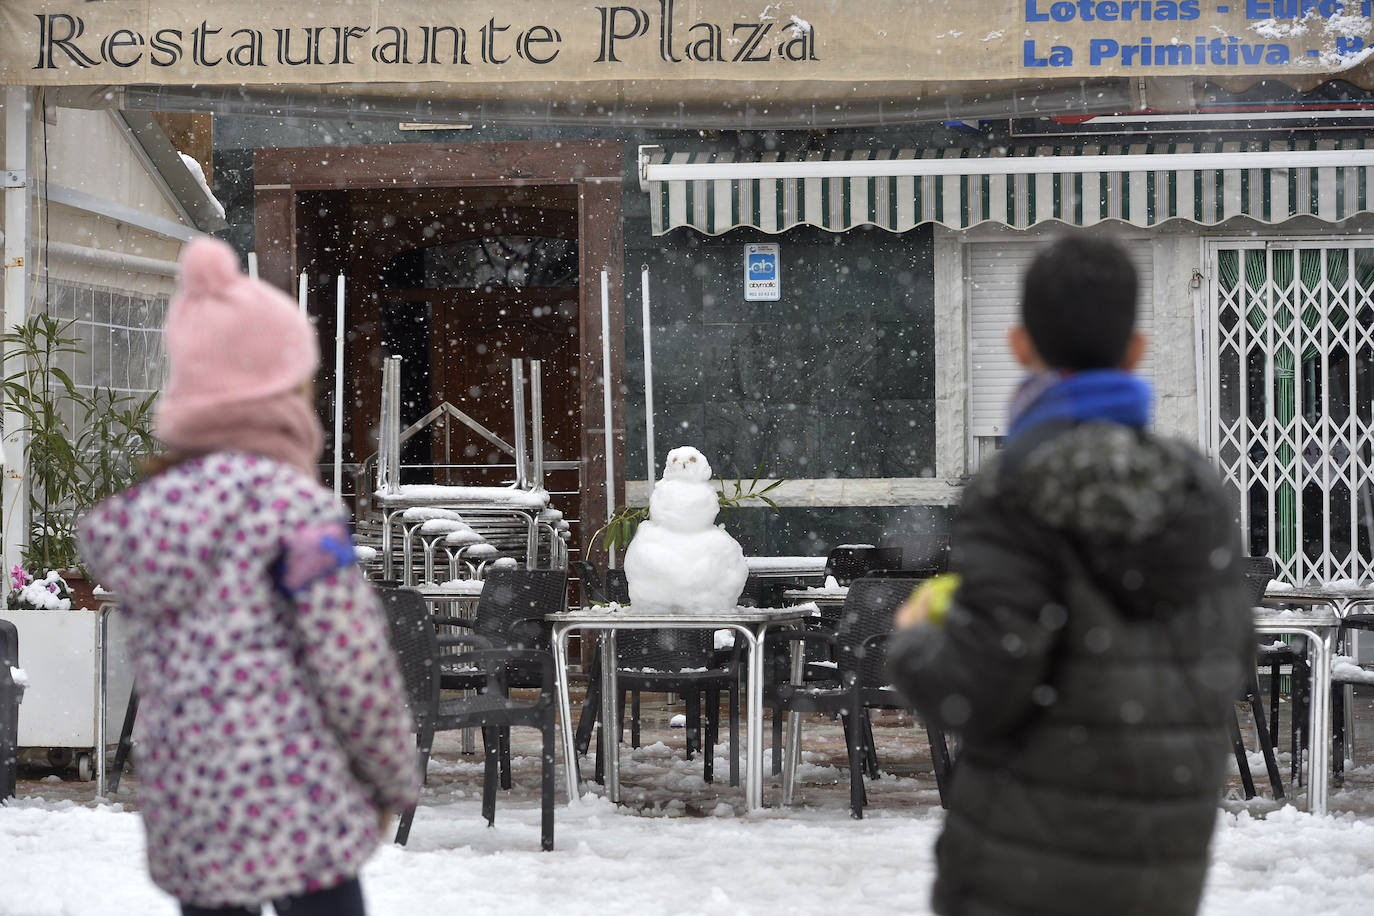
273,736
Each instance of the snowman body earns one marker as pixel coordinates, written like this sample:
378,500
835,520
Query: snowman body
679,560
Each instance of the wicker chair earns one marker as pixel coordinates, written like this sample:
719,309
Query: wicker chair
422,652
1258,572
860,683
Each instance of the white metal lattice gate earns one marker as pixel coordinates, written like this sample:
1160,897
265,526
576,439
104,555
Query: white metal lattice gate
1291,400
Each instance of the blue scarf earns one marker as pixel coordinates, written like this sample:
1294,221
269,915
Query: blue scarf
1097,394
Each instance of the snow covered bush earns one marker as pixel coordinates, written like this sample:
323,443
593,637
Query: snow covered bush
48,593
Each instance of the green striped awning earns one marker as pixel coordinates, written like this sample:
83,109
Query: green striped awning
1229,179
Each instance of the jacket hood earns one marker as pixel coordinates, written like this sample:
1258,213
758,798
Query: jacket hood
1105,481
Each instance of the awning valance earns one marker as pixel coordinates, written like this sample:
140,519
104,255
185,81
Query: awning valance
897,189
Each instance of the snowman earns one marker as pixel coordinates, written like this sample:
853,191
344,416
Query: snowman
679,560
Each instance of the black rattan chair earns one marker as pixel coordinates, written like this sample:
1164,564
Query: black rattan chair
854,561
511,614
422,653
1343,676
861,680
1258,573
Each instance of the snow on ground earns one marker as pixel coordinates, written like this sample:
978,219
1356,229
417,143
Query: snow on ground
65,859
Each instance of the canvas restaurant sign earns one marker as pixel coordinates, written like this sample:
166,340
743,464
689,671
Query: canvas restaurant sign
171,42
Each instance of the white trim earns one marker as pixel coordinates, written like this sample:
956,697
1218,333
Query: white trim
122,213
1002,165
842,492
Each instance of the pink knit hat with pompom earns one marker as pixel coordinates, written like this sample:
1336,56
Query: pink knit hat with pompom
230,340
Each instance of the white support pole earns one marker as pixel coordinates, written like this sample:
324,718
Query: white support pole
517,400
301,294
394,429
17,172
536,424
338,388
606,405
383,433
648,375
253,264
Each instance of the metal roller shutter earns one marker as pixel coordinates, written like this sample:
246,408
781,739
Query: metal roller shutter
994,287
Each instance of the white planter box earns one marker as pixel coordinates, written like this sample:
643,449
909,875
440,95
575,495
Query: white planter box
60,652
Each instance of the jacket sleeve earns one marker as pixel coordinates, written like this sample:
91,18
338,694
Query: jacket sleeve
979,671
358,685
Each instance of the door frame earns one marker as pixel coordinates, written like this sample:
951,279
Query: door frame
282,174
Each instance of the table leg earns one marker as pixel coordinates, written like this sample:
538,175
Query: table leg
560,664
1321,718
753,767
610,716
1352,646
386,545
102,640
792,750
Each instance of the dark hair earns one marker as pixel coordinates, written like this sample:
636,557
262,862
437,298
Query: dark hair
1078,302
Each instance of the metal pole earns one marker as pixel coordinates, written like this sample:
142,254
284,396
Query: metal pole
606,405
102,637
537,423
393,429
301,294
517,389
253,264
382,451
338,389
17,185
648,375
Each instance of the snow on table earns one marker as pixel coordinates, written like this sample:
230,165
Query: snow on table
458,588
437,495
785,566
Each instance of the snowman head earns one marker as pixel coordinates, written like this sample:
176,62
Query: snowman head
686,463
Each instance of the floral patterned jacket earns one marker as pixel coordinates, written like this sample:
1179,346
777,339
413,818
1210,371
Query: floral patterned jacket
273,723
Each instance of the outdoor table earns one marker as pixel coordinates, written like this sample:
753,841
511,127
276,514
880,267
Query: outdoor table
461,593
751,622
823,598
1321,629
1342,598
785,567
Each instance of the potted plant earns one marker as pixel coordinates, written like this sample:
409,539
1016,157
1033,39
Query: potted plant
81,446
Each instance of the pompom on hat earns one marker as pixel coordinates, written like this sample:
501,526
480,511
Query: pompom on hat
230,337
235,346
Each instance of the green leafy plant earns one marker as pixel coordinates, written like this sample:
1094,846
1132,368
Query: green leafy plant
67,470
620,529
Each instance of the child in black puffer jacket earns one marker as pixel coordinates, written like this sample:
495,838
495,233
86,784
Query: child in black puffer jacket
1098,634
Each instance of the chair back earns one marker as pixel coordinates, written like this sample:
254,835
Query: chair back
416,646
1259,571
665,650
849,563
617,586
867,613
593,591
514,603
